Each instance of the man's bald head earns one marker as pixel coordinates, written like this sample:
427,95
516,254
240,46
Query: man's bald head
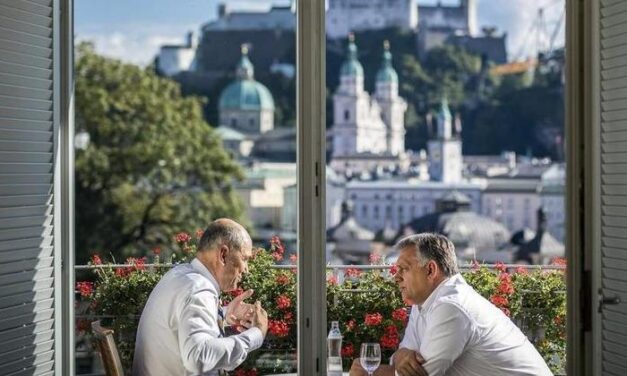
224,231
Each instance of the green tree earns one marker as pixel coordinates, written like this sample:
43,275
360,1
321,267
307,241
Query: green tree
153,166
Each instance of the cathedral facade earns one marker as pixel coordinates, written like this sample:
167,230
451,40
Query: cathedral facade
365,124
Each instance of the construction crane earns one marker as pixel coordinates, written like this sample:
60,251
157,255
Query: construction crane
544,44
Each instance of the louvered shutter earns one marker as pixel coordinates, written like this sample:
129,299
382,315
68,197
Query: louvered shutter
613,183
27,155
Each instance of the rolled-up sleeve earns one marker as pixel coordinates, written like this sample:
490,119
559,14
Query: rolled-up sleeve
445,338
201,347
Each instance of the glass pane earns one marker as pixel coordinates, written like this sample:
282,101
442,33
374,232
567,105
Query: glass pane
446,117
185,113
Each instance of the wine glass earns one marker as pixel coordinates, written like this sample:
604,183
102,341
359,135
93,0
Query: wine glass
370,357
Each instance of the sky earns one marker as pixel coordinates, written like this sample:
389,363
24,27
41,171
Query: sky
133,30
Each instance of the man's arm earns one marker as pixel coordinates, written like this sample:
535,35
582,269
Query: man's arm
446,336
201,348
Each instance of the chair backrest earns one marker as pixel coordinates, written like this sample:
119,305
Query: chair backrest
108,350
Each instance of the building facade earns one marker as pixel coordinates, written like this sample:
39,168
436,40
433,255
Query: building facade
346,16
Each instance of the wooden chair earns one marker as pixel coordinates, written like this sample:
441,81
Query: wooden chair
108,350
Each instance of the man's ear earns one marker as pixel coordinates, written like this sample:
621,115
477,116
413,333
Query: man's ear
224,251
432,267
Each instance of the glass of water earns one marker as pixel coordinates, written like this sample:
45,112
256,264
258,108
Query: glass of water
370,357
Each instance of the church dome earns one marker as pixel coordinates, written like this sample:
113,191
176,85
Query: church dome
246,93
466,229
352,66
387,73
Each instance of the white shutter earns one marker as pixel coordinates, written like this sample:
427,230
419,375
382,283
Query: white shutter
28,263
611,76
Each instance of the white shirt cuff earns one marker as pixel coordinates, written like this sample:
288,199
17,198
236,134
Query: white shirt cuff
254,336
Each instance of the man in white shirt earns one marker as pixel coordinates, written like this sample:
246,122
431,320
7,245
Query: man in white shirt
181,328
452,330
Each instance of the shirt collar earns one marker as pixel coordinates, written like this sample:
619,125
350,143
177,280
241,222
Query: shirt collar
435,293
200,268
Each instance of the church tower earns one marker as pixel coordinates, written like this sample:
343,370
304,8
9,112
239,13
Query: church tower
357,124
445,150
392,106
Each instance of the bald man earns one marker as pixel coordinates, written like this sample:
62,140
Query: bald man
181,330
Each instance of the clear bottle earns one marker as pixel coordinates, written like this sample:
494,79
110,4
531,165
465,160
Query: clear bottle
334,347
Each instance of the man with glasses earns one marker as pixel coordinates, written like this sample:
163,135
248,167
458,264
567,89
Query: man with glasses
181,330
452,330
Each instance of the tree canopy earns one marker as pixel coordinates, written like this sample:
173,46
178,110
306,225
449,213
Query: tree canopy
153,166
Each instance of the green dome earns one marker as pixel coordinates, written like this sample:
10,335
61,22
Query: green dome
246,95
351,67
387,73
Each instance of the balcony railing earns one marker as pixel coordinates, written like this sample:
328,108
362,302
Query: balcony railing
530,311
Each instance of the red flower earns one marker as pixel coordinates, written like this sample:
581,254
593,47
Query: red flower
558,261
350,325
500,267
123,272
352,272
522,270
137,263
288,316
199,233
156,251
293,258
95,259
374,258
283,302
373,319
278,328
332,280
394,269
85,288
182,237
390,339
282,279
348,350
499,300
276,245
277,256
400,315
506,288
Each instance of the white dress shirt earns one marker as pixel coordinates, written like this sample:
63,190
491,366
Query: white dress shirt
458,332
178,333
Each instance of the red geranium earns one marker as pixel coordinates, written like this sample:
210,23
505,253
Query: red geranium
283,302
278,328
282,279
373,319
350,325
332,280
400,314
500,267
352,272
293,258
85,288
95,259
348,350
374,258
182,237
394,269
246,372
499,300
522,270
390,339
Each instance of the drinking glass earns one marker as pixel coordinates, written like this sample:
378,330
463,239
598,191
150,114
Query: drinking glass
370,357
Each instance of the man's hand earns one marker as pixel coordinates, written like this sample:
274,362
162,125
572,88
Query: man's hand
239,313
383,370
260,318
408,363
